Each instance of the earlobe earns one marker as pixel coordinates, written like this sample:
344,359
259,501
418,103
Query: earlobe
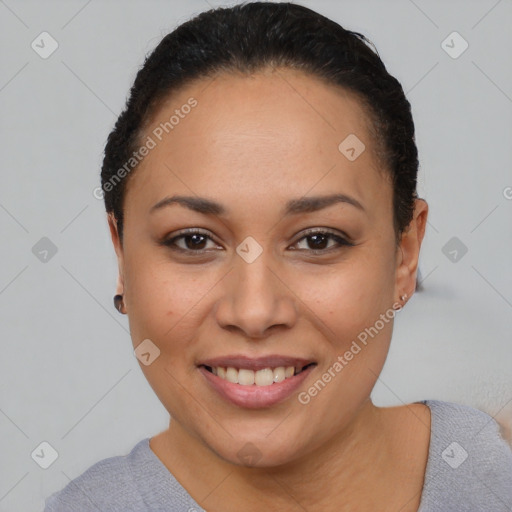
410,244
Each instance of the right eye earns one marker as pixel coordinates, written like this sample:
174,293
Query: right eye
193,240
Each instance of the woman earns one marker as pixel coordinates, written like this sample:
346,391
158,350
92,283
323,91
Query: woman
261,196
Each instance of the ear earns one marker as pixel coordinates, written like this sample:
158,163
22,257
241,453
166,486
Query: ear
112,224
409,250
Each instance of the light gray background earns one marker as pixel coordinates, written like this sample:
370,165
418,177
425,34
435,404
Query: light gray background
68,375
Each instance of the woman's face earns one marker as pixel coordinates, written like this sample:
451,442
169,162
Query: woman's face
255,289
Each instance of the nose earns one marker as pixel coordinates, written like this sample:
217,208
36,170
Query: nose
256,300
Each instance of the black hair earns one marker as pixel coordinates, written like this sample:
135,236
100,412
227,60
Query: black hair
252,36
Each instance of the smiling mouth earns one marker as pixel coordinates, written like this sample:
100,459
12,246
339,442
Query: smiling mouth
262,377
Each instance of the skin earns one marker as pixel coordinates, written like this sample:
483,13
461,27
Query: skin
252,143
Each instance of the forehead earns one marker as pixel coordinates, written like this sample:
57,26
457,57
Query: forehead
276,133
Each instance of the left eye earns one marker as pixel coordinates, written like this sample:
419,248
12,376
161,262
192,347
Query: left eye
319,241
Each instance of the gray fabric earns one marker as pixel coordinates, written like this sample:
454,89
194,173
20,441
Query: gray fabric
137,482
454,482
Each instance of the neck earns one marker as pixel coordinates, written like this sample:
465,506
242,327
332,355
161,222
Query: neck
351,468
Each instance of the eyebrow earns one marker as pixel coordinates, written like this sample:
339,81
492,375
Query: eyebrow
293,207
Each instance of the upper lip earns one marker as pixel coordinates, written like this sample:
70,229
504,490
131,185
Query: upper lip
255,363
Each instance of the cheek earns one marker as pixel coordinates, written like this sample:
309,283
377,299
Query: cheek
347,306
349,297
166,302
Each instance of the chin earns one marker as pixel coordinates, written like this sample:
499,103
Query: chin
256,451
253,455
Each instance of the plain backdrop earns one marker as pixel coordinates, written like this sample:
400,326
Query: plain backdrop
68,376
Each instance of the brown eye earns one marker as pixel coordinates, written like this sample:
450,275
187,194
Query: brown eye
194,241
318,241
189,241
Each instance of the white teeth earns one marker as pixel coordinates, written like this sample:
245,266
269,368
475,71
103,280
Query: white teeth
279,374
232,375
245,377
264,377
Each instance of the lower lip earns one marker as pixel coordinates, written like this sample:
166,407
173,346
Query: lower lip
255,397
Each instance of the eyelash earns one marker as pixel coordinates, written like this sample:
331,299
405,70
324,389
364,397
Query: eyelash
170,242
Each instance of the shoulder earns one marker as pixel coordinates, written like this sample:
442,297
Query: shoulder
115,483
469,464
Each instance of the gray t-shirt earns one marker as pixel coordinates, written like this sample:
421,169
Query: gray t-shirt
469,469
